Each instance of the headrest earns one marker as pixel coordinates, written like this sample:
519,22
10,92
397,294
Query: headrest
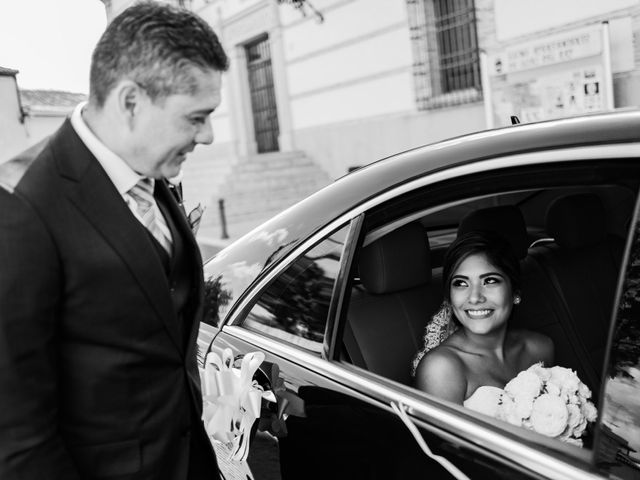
506,220
397,261
576,221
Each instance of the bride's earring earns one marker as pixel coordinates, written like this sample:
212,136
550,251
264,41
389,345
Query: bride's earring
517,300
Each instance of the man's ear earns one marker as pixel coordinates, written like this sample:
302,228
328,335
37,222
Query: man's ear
129,97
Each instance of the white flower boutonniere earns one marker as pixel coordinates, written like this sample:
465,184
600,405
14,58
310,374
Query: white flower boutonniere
194,216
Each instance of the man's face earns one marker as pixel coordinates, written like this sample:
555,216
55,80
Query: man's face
167,129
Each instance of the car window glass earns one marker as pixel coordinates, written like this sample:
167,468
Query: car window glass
570,267
295,305
618,444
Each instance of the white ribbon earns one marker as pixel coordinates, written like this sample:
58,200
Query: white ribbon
231,400
400,410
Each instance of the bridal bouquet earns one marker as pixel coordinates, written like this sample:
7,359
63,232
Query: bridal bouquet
551,401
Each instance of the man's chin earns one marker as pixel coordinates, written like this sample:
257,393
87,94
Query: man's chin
172,171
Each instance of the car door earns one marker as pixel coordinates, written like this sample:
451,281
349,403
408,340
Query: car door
317,424
332,418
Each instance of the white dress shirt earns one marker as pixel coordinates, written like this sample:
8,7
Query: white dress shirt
118,171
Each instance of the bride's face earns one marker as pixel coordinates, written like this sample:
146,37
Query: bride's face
481,295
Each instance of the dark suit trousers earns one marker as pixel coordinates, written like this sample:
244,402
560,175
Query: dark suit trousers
202,461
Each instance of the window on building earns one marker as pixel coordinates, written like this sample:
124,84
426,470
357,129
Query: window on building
445,49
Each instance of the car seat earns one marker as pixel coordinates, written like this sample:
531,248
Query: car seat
583,263
389,310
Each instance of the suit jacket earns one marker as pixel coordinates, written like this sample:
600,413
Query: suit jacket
96,377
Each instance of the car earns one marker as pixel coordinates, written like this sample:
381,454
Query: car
336,292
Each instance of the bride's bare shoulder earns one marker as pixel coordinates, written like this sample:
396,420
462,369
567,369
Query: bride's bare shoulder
442,372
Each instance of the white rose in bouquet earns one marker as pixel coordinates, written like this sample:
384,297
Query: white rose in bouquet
526,384
524,389
575,417
565,379
542,373
549,415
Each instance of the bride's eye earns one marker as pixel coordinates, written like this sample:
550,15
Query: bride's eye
458,283
492,280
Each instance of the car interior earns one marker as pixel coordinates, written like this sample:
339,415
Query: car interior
570,240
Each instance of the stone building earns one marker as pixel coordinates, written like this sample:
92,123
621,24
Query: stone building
45,110
319,87
13,134
28,116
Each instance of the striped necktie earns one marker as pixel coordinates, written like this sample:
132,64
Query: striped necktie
142,194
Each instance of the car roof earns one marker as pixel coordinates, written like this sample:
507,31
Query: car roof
617,127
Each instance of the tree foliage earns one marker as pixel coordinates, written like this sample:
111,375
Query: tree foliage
305,7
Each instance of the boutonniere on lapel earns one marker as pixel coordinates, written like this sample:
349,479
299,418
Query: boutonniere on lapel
194,216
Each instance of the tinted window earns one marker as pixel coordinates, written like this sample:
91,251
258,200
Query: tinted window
619,430
295,305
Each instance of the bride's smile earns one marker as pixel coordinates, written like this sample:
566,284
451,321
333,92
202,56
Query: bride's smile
478,313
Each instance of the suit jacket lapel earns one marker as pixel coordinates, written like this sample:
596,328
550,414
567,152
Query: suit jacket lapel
93,193
192,251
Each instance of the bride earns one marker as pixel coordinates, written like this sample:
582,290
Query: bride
470,353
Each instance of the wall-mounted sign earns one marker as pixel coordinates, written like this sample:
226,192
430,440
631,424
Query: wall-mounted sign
560,75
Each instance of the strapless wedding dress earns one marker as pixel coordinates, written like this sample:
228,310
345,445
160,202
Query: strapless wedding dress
486,399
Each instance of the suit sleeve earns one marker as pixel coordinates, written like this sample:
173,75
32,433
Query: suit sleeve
30,292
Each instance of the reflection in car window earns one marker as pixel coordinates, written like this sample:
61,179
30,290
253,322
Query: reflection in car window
618,447
294,307
226,275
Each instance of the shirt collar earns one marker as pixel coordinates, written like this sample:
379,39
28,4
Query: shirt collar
120,173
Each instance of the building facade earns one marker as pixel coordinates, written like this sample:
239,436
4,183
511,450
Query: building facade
13,133
28,116
317,88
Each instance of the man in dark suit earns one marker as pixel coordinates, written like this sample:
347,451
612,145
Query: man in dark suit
101,283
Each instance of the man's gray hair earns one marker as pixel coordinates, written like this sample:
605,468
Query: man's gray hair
156,46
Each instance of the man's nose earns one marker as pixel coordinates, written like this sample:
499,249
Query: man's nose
205,133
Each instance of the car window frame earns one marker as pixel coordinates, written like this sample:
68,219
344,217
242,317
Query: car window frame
563,453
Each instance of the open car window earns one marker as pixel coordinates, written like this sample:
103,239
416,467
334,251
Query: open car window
570,243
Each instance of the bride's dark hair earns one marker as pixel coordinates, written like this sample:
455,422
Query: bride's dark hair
493,245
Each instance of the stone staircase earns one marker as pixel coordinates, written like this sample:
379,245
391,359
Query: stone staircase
259,187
